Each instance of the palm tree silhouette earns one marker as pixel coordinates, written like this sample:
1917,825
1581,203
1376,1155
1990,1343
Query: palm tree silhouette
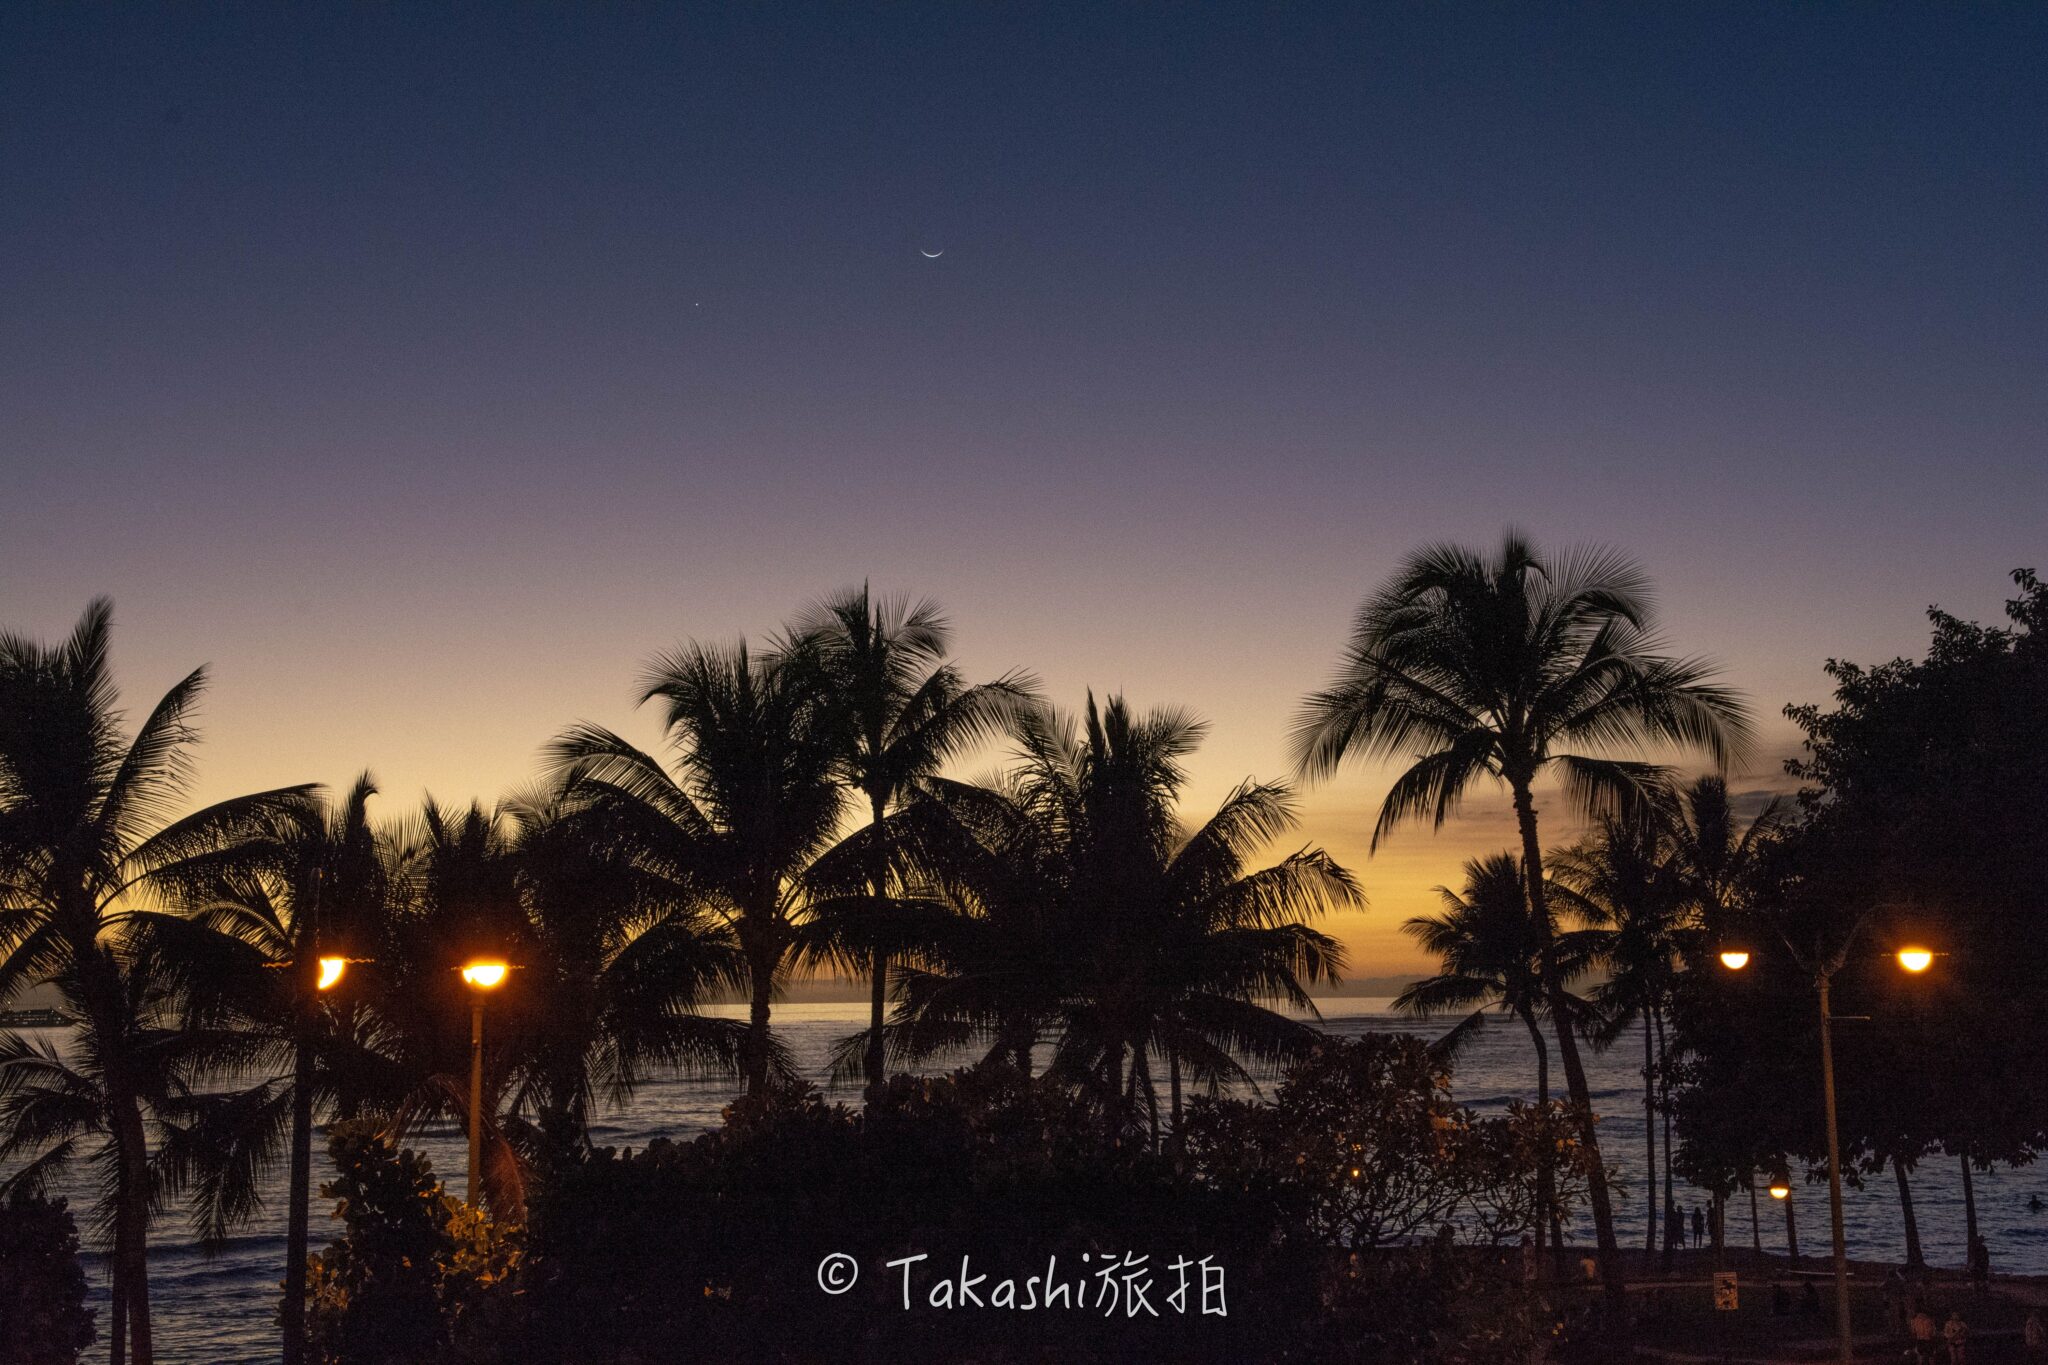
1490,961
621,962
1624,882
1510,668
902,712
754,803
1094,914
86,843
321,886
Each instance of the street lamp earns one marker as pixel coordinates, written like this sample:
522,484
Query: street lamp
1911,959
482,977
1782,1192
325,974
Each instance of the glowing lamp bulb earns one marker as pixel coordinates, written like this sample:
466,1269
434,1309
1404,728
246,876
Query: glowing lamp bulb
1915,959
485,976
1735,959
331,972
1781,1190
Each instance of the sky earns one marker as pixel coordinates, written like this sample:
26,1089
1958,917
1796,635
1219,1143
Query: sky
424,369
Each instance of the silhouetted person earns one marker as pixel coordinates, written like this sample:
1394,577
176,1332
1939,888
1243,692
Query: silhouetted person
1956,1333
1921,1325
1980,1264
1809,1300
1674,1227
1699,1227
2034,1204
2035,1336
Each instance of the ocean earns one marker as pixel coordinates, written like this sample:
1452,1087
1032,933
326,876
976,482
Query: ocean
220,1310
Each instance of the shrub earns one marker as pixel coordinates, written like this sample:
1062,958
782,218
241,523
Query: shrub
43,1317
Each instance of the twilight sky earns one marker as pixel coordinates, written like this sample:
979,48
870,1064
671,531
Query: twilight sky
425,369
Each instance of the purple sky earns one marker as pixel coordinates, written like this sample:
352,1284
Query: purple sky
426,371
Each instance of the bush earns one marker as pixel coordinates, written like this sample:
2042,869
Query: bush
711,1249
417,1277
43,1317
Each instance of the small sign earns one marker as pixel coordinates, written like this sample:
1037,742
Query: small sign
1725,1300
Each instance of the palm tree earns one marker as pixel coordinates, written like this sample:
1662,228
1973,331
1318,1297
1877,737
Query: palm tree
753,804
903,711
621,961
1511,668
1490,960
1094,914
457,897
85,841
323,887
1718,858
1623,881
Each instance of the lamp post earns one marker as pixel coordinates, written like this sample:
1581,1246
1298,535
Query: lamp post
482,977
325,975
1781,1190
1912,959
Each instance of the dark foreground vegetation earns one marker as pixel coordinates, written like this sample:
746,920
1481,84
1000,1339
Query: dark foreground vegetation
1310,1209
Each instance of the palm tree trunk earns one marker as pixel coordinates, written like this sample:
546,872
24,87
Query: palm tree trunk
293,1315
875,1065
1141,1078
1546,1166
1969,1208
1609,1251
1756,1233
1649,1147
1664,1104
117,1283
133,1156
1914,1260
1173,1089
754,1067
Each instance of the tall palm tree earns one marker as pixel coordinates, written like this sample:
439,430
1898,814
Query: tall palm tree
1489,960
322,886
903,711
1509,668
753,803
86,838
1624,881
1129,936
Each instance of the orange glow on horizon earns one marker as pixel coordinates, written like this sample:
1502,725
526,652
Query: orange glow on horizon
1735,959
1915,959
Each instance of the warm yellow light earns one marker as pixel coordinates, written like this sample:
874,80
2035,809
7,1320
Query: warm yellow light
485,975
1915,959
1735,959
1354,1173
331,970
1781,1191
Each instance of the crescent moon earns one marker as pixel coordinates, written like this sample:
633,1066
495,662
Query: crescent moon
931,255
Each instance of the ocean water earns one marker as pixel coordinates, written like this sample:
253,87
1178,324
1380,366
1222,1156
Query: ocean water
220,1310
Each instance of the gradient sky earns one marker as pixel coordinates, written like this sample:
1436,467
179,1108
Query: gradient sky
425,369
